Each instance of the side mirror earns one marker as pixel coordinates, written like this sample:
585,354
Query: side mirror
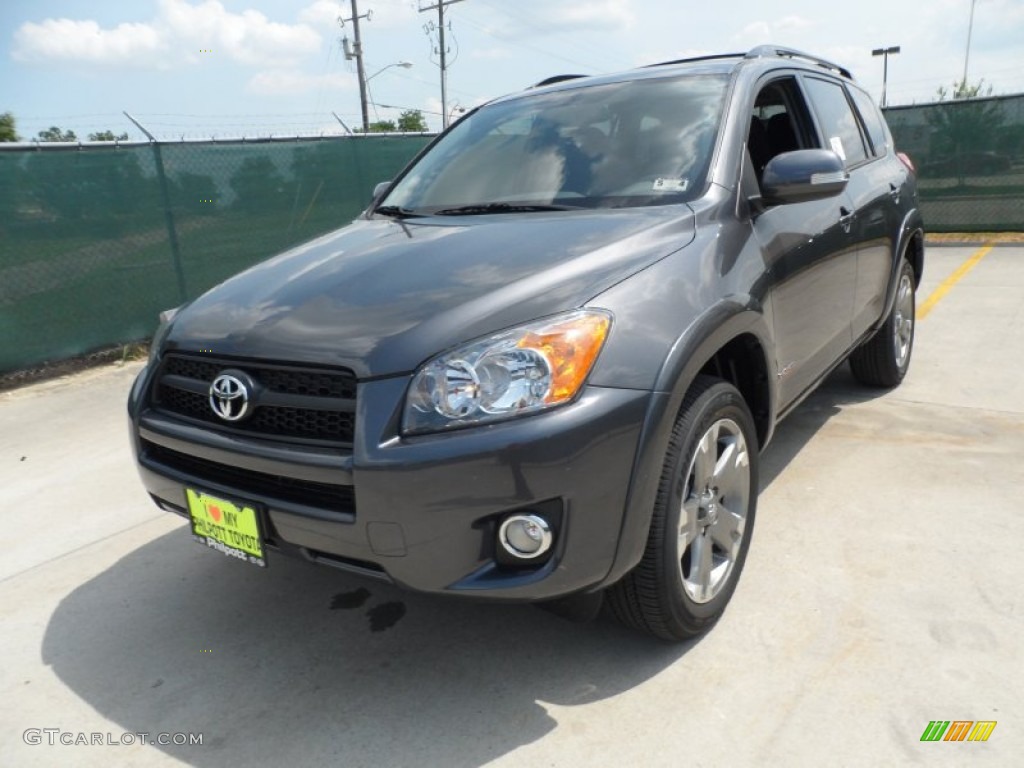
380,189
803,175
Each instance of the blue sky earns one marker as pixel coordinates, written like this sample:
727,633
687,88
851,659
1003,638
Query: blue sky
275,67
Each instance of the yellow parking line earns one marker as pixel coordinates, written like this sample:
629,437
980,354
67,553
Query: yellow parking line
949,282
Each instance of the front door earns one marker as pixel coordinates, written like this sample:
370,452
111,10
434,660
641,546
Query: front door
809,251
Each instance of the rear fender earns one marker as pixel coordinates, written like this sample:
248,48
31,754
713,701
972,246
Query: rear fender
912,226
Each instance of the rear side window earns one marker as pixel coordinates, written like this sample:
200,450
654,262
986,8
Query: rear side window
872,121
838,123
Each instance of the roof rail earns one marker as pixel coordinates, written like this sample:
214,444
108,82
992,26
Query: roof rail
775,50
555,79
697,58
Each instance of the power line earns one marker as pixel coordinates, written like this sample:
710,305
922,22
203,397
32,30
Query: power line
523,17
323,76
357,54
533,48
442,50
413,78
409,109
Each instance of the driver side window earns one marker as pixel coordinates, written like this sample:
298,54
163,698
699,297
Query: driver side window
778,123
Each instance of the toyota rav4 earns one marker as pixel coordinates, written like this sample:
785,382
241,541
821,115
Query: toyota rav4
541,366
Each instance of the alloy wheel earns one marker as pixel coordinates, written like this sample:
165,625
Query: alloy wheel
713,515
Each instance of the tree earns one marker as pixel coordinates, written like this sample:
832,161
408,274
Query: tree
107,136
196,193
326,174
99,193
961,90
964,129
259,186
411,121
7,130
53,133
382,126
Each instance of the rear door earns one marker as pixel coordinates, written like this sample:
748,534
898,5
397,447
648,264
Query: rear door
878,187
869,191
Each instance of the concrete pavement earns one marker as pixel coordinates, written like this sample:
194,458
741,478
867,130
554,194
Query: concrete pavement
882,591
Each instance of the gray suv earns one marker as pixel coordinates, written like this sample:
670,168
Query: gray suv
541,366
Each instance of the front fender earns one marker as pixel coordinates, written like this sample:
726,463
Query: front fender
726,320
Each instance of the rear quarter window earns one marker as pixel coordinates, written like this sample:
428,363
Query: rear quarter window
873,121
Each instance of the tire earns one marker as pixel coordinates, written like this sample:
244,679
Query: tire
883,360
668,594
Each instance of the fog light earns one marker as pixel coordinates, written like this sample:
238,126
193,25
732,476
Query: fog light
525,536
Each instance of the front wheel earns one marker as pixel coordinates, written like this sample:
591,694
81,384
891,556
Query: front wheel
883,360
702,519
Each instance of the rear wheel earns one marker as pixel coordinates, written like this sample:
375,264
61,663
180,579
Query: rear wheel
702,520
883,360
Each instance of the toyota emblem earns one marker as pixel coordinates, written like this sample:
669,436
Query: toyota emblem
229,397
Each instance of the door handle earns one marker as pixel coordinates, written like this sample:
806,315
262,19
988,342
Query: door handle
846,218
894,192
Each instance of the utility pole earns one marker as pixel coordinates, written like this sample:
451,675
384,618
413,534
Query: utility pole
443,51
357,53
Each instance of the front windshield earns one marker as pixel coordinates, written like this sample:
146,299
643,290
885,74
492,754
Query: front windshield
642,142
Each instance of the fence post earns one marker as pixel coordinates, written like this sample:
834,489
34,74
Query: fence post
172,232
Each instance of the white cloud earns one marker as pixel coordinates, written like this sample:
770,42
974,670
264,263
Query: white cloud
178,33
674,54
532,18
788,30
287,81
490,53
322,13
591,14
432,108
394,14
67,39
247,37
856,58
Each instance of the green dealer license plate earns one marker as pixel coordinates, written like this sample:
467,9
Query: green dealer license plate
227,527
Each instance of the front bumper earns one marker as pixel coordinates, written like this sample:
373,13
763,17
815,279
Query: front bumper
420,511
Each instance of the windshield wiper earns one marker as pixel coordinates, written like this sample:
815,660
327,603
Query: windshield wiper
396,212
480,208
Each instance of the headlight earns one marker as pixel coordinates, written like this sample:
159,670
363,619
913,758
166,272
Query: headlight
166,318
522,370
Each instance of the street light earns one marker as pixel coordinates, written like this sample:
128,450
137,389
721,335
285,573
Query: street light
402,64
365,90
884,53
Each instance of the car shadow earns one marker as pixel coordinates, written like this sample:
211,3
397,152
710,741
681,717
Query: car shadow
797,429
298,663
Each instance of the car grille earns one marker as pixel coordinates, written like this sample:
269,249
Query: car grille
325,496
310,405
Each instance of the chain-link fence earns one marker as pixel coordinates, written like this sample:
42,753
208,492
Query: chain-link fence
94,241
970,160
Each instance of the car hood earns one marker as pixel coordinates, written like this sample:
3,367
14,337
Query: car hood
381,296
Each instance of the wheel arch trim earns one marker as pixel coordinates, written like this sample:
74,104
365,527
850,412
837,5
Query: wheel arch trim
724,322
912,227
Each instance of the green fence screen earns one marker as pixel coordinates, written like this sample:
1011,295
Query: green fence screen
95,241
970,161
